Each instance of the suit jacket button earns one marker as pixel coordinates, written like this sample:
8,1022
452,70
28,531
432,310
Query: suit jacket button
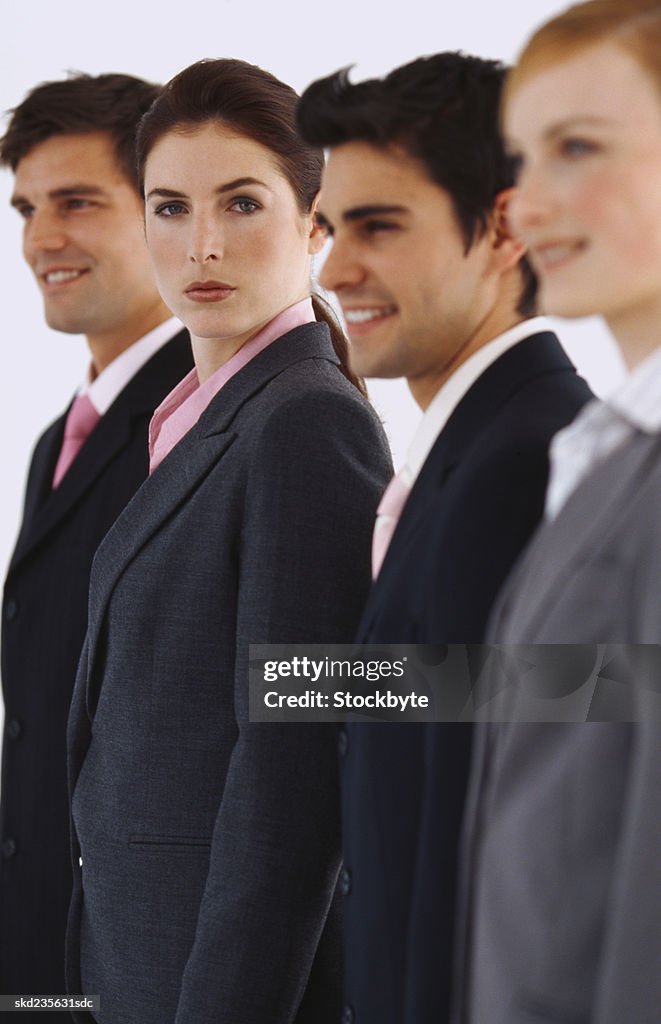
11,609
8,848
342,742
14,728
348,1016
345,882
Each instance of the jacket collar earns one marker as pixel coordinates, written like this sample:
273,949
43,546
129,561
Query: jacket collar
594,511
193,458
46,508
534,356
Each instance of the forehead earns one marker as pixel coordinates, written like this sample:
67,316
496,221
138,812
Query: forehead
602,83
206,157
359,174
64,158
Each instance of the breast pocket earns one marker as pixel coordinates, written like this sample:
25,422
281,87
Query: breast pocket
164,843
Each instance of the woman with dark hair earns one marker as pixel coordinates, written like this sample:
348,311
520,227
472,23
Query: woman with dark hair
206,846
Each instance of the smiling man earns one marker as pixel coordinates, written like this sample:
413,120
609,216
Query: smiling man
434,288
70,145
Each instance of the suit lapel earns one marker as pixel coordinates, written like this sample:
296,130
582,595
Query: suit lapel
183,470
539,354
583,527
113,432
39,487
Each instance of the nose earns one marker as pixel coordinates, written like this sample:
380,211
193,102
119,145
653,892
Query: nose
532,200
206,244
341,269
43,233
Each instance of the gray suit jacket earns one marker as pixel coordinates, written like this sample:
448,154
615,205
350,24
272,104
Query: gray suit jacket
561,889
210,845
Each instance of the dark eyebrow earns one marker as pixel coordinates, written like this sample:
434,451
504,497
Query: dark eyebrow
575,122
168,193
240,182
373,210
63,193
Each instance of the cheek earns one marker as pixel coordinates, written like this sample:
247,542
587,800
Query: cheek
166,250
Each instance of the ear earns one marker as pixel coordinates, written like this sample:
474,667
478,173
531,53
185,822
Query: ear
318,235
508,248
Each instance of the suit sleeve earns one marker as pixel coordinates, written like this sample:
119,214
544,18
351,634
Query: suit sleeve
312,490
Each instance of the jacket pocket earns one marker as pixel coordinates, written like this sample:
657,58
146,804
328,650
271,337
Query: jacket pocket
155,841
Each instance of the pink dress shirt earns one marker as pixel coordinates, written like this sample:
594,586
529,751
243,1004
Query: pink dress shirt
182,408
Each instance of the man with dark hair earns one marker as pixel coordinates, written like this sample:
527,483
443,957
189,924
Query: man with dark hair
434,288
70,145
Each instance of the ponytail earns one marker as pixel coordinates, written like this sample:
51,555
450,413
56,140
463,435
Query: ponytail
325,313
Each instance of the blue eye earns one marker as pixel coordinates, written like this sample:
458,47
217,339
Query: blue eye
169,210
576,147
244,205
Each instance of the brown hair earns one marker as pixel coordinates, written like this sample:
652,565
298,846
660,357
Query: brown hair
258,105
80,105
635,25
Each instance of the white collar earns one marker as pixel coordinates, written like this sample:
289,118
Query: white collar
104,389
447,398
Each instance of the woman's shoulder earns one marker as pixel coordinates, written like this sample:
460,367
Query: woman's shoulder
318,387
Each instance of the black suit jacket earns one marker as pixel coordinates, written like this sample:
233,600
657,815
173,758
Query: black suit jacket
206,847
473,507
43,626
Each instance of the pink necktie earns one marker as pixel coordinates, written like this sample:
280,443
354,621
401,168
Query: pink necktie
81,420
387,517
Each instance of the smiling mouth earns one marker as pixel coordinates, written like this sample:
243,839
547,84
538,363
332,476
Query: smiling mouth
368,314
548,257
54,277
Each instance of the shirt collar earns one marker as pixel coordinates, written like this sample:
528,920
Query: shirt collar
449,395
104,389
182,408
638,398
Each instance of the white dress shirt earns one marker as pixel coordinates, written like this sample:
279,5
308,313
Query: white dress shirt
447,398
104,389
603,426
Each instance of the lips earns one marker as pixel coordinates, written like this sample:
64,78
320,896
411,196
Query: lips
209,291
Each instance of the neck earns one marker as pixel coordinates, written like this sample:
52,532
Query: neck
105,347
210,354
637,333
499,319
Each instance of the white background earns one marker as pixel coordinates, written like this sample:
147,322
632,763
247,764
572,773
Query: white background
298,41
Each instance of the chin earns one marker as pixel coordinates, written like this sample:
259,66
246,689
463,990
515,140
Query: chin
568,304
65,325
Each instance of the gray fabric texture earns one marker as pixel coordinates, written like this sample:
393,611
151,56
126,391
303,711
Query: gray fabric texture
561,889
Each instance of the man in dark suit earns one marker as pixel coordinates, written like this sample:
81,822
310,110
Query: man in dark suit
71,147
435,288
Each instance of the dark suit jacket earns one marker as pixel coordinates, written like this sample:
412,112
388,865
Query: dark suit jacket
44,620
474,505
210,845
